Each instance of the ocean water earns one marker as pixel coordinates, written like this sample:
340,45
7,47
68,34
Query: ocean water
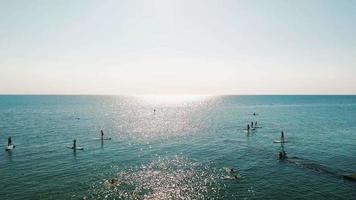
181,151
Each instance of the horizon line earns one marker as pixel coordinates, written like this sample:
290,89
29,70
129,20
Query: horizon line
182,94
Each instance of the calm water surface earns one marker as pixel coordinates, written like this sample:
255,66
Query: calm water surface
180,151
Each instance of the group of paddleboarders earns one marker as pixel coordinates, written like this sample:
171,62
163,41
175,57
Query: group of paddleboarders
74,146
282,154
252,126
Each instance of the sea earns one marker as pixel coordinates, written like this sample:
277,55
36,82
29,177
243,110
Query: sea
177,147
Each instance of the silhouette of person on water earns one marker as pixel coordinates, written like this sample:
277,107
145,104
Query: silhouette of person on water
9,141
282,155
251,124
248,127
282,136
102,134
74,143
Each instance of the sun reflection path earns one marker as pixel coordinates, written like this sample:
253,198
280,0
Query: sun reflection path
177,178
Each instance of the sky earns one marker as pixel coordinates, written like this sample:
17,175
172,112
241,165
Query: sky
205,47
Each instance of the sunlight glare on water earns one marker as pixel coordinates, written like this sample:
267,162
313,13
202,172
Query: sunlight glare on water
165,178
163,116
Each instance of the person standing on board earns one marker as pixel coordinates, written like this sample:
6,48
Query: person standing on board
102,134
74,144
282,137
248,127
9,141
251,124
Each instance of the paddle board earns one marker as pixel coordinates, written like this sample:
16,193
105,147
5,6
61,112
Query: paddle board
279,141
101,138
351,177
236,177
76,148
10,147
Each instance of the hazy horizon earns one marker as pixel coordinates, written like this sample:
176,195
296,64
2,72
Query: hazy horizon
178,47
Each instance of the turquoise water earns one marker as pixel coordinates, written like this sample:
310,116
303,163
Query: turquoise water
178,152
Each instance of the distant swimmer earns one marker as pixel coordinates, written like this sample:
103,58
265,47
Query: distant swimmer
254,113
237,177
111,182
230,170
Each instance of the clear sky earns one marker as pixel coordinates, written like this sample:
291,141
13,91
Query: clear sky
178,47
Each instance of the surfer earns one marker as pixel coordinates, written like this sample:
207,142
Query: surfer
9,141
102,134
